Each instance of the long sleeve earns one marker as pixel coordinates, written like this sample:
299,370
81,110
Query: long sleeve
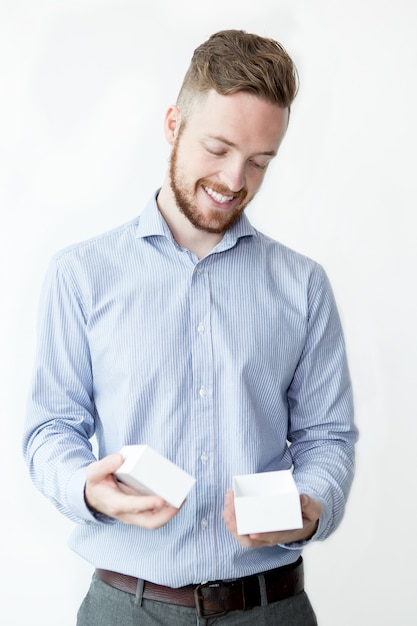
321,430
61,405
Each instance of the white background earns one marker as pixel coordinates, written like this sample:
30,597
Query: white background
84,85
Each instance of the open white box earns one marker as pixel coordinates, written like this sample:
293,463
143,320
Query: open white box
266,502
149,472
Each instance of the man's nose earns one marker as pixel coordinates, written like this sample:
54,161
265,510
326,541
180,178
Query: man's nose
233,175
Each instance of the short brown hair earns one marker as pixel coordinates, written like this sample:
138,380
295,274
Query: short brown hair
231,61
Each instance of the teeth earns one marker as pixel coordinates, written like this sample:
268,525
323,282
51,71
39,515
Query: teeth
218,197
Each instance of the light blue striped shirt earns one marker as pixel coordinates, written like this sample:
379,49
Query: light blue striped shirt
232,364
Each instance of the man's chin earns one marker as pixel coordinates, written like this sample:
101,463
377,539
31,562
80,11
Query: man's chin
217,224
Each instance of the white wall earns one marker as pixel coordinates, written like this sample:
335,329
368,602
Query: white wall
84,86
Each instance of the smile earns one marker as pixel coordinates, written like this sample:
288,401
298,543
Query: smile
218,197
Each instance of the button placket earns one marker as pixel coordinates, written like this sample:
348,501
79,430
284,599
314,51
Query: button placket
202,408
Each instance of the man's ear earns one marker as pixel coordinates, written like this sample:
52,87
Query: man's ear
172,123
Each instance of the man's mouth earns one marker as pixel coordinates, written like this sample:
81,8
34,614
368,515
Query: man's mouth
218,197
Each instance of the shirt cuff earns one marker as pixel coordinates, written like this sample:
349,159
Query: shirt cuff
321,532
76,500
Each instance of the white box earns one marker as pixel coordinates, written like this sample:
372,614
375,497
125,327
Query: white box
149,472
266,502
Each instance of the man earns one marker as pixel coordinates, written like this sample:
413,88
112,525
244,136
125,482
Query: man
189,331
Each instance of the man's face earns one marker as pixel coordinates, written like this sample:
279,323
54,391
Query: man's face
220,156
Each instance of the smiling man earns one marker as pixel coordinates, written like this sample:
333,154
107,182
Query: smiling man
190,331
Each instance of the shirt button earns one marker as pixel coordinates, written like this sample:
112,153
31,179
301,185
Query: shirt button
204,458
201,328
200,270
203,392
204,523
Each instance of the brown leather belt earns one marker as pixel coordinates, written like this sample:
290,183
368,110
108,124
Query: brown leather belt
216,598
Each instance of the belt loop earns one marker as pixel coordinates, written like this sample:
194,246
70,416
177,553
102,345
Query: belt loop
139,592
262,589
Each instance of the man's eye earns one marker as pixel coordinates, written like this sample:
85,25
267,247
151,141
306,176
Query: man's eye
214,152
259,166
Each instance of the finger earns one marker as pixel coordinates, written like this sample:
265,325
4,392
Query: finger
151,504
151,518
124,504
311,509
263,539
229,512
229,517
229,501
304,503
130,491
130,509
108,465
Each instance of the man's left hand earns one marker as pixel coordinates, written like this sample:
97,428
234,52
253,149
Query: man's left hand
311,510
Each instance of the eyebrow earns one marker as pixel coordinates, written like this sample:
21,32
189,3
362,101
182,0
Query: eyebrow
233,145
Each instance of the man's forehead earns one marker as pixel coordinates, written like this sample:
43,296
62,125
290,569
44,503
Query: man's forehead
231,119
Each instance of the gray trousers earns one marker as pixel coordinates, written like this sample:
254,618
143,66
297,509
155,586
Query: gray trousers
106,606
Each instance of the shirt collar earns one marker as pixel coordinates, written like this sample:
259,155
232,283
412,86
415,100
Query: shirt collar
152,223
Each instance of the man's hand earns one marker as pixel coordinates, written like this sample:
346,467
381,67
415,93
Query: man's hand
311,510
104,494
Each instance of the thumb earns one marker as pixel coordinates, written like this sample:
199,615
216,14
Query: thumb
311,508
107,465
304,501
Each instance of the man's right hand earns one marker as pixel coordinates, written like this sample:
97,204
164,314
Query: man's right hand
104,494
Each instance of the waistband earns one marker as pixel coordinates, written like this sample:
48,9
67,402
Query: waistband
216,598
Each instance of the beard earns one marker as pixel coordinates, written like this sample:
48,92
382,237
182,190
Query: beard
210,221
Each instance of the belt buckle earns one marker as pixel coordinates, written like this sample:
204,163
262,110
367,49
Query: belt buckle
199,599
